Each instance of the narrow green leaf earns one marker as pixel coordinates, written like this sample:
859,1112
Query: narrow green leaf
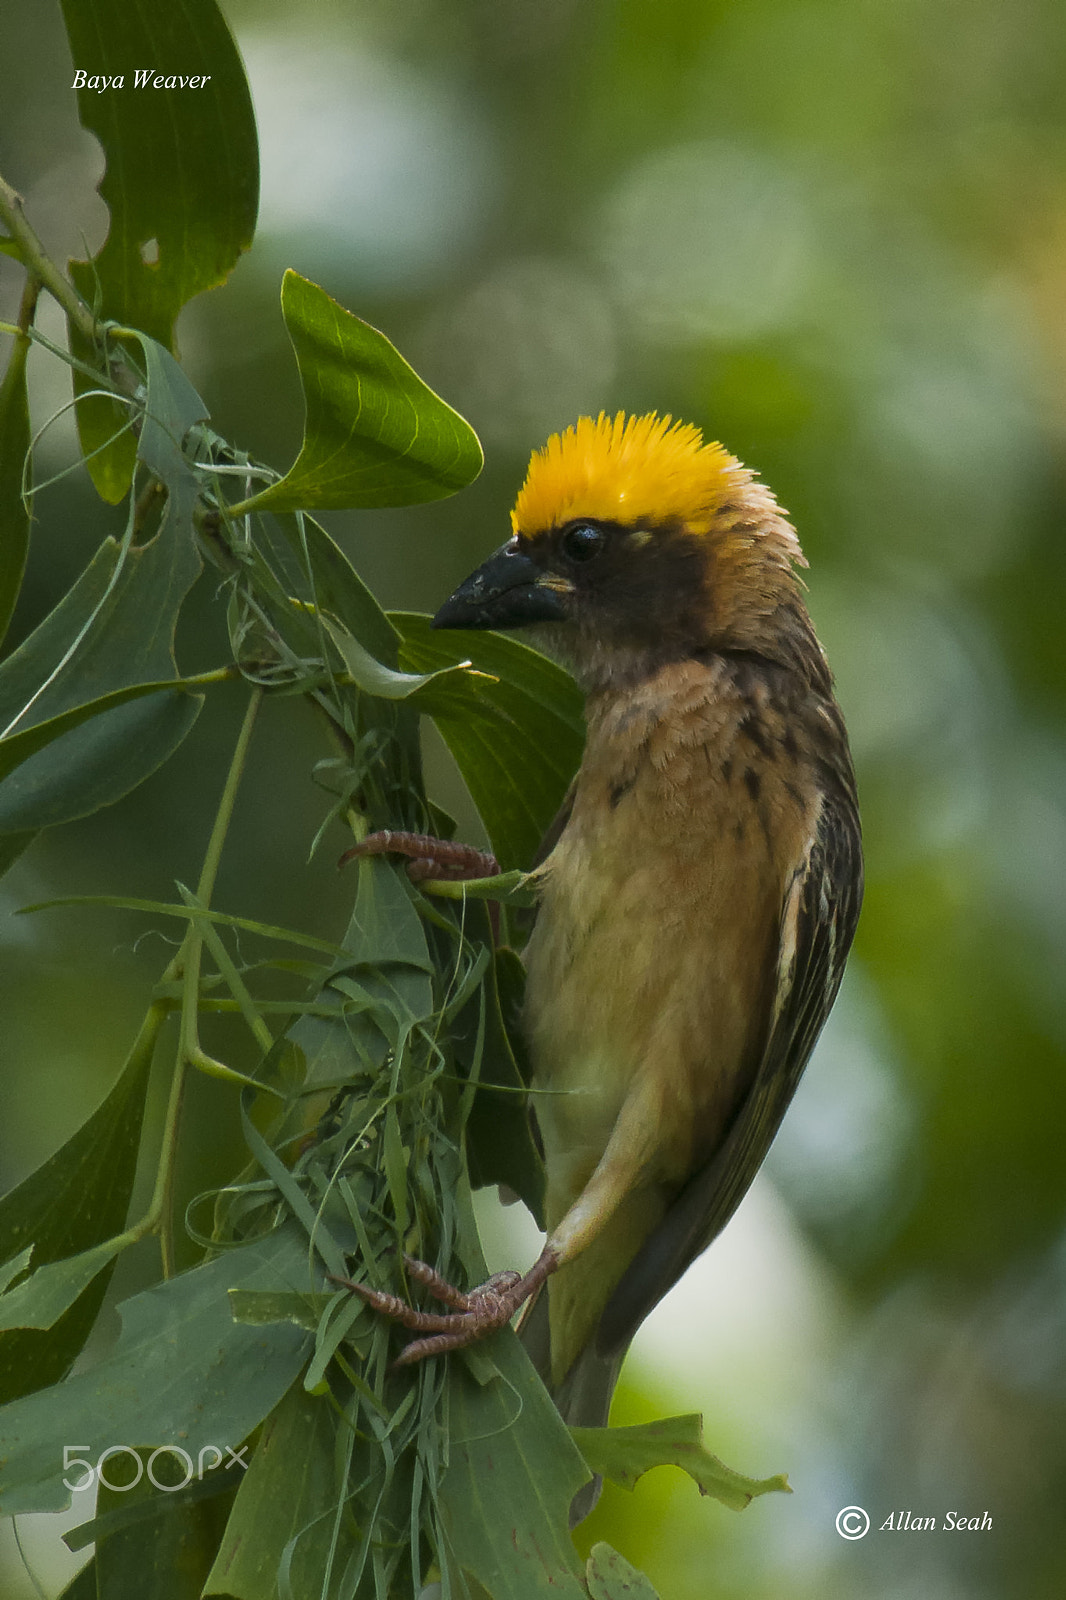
310,1221
166,908
374,433
624,1454
77,1199
512,1473
395,1156
181,181
41,1300
182,1373
610,1577
14,443
517,736
333,1330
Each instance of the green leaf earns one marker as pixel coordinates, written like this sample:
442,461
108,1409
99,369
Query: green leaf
215,1481
512,1473
385,929
19,747
517,737
14,443
182,1372
374,433
285,1511
165,908
181,182
256,1308
15,1267
36,682
102,757
333,1330
387,972
383,682
41,1300
338,588
157,1542
499,1139
110,641
12,846
173,407
624,1454
77,1199
610,1577
83,1585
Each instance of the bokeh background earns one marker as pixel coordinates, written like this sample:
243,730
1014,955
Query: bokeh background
833,233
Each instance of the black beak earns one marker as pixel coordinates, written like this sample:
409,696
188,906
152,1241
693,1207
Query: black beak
507,591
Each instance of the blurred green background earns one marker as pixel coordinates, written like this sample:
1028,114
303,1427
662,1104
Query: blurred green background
834,235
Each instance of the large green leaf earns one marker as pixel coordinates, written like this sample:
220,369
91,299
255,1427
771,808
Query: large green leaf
512,1473
77,1199
14,442
374,433
181,1373
518,736
74,740
181,181
97,762
286,1507
156,1542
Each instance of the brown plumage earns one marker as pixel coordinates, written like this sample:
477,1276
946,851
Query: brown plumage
702,889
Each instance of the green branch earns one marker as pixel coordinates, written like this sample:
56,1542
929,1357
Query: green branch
40,265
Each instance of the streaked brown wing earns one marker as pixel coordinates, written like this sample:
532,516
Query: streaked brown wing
817,926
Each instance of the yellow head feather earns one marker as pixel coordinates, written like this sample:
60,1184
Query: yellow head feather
628,470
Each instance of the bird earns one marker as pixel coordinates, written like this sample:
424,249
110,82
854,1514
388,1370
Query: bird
697,895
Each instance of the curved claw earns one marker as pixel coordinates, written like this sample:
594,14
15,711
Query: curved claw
478,1312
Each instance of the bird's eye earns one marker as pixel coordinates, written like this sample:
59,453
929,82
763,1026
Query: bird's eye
583,541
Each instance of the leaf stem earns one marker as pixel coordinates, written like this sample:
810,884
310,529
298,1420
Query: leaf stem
187,964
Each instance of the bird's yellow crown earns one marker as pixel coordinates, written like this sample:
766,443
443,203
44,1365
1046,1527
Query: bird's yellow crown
628,470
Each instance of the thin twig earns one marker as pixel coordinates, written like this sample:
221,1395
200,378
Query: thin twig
40,265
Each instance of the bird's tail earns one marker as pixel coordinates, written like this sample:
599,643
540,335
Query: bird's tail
583,1398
